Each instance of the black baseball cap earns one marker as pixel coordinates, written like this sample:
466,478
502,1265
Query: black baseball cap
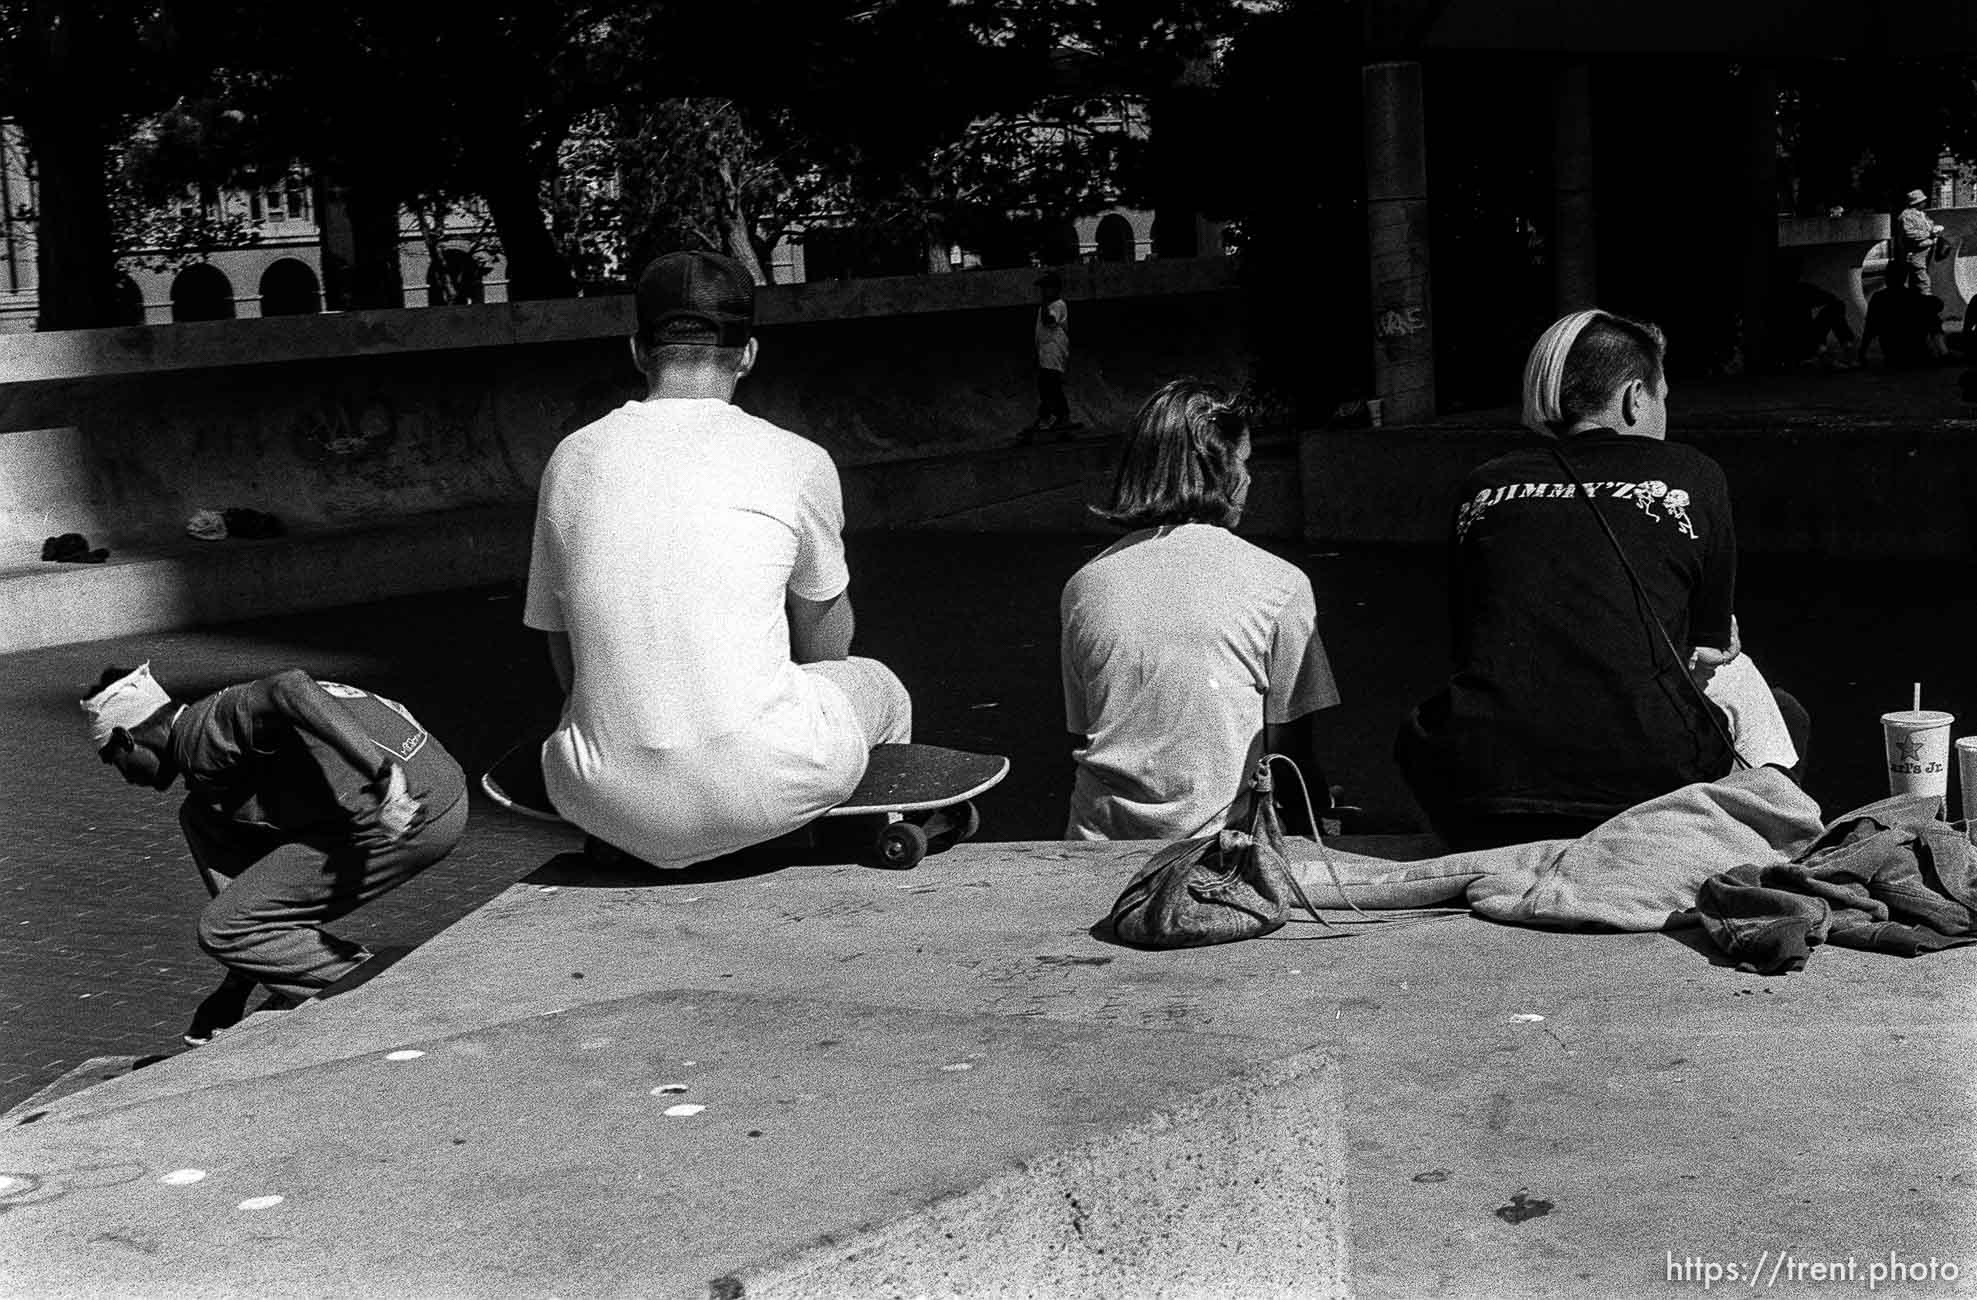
695,297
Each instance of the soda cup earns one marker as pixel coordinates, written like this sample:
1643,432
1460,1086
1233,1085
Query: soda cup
1918,747
1966,775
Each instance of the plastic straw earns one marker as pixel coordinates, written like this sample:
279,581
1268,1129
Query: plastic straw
1917,705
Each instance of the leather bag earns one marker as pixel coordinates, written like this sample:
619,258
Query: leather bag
1234,884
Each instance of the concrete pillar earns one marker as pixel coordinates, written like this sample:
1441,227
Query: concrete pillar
1574,258
1397,239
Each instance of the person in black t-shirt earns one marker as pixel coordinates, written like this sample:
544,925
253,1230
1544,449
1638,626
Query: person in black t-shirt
1566,704
304,800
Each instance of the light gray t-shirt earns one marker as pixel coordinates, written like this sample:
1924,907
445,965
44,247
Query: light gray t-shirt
1178,645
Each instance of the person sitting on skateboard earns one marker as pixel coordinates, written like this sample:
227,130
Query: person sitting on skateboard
689,572
304,800
1187,652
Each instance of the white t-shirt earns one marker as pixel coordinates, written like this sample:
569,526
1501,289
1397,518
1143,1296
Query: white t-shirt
668,535
1179,644
1053,345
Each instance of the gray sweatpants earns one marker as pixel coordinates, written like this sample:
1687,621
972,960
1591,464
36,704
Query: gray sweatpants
272,892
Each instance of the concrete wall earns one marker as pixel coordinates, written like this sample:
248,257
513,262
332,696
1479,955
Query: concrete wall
347,419
1837,252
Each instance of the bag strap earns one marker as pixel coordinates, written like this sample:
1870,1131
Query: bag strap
1640,595
1263,790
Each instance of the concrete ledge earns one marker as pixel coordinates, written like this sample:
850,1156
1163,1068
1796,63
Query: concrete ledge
1526,1112
1172,1206
198,583
137,350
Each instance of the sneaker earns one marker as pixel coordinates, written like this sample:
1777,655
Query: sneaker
224,1007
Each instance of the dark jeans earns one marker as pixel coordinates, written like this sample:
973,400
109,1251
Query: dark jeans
1052,408
272,892
1463,830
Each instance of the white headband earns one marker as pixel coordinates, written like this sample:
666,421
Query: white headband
1544,372
123,703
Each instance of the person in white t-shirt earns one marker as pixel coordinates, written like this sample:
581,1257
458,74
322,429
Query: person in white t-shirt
1053,348
689,571
1186,651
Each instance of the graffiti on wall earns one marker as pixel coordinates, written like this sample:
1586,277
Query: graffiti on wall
1398,322
345,428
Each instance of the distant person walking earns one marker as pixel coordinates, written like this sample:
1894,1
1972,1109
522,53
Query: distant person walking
1053,350
1916,241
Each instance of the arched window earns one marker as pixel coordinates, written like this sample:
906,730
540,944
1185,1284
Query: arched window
130,301
288,288
201,292
1114,238
460,285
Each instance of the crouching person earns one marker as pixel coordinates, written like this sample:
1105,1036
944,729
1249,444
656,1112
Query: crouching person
304,801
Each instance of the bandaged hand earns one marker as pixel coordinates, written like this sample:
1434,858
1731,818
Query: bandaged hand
396,813
1705,660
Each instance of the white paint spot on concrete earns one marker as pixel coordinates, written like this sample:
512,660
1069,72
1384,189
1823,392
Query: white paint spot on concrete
684,1110
1297,972
956,1067
404,1054
1527,1017
694,899
261,1202
182,1177
665,1088
689,1063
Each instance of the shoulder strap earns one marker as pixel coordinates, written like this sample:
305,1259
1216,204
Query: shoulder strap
1338,929
1640,594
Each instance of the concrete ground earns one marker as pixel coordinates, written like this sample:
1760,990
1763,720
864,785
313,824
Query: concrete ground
100,897
1665,1110
834,1081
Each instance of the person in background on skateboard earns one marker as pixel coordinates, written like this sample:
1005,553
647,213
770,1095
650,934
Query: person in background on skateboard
689,571
304,800
1187,652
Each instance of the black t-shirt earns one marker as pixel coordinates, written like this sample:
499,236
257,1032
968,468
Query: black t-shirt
1564,699
266,772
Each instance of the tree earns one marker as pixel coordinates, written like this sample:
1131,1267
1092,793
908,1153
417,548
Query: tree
72,72
1858,133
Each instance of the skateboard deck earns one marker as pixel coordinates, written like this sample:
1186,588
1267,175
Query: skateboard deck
918,797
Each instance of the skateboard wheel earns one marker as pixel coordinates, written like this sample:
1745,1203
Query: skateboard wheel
902,845
956,825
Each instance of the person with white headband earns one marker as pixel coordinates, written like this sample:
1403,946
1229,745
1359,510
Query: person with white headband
1593,571
304,800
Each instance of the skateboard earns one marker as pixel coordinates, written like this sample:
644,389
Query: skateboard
913,800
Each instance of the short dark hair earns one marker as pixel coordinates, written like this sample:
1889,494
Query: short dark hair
1610,353
692,354
1182,461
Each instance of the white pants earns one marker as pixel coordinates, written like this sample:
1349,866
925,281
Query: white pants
1757,728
